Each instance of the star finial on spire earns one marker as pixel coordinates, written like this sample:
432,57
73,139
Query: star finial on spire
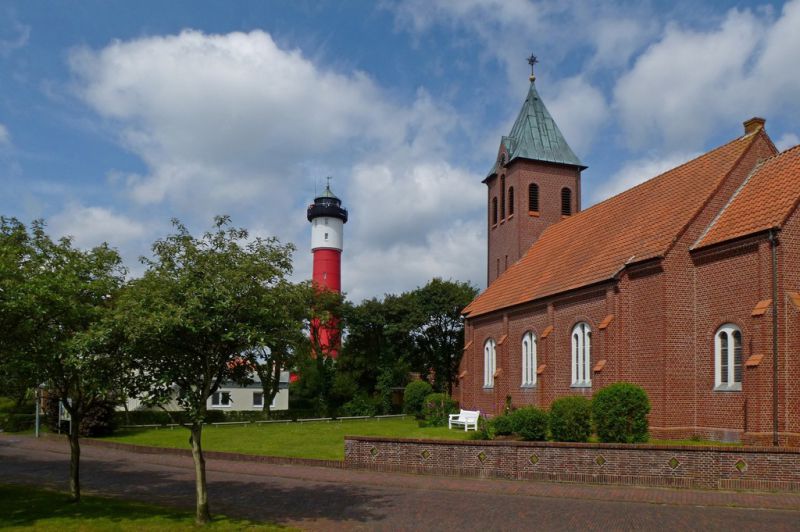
532,60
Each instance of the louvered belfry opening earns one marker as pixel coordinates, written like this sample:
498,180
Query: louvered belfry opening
533,197
510,201
566,202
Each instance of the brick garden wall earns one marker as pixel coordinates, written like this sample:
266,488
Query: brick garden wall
748,468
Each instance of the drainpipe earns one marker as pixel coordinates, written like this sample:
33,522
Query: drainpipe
773,239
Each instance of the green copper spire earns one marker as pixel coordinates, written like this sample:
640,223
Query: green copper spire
535,134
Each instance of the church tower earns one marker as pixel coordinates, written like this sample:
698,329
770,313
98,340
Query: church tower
534,183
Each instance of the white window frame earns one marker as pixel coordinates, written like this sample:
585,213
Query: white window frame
217,399
581,355
528,360
489,362
725,350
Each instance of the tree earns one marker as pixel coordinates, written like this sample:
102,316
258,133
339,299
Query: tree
54,303
436,329
194,315
280,337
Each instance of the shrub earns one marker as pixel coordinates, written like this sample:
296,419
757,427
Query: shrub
98,420
620,413
17,422
414,398
502,425
571,419
529,423
437,408
485,430
360,405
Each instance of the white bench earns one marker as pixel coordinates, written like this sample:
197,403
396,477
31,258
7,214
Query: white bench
467,418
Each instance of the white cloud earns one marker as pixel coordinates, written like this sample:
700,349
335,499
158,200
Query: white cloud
579,110
5,136
787,140
91,226
457,252
234,123
689,82
637,171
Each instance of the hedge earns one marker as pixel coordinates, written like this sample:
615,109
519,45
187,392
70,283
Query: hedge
620,413
571,419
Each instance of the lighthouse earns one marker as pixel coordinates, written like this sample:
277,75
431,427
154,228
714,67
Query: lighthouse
327,219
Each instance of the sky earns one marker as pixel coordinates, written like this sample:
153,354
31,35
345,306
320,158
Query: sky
116,117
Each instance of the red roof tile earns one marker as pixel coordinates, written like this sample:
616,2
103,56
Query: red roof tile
595,244
763,202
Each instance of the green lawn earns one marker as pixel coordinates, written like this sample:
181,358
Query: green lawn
319,439
25,508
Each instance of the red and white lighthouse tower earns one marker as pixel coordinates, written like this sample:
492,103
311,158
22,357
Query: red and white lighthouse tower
327,219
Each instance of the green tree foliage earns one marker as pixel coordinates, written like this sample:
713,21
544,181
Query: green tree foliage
620,413
418,331
55,303
280,339
414,397
571,419
437,409
529,423
198,307
436,329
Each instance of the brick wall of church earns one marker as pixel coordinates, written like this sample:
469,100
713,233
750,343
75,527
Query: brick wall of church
513,235
662,334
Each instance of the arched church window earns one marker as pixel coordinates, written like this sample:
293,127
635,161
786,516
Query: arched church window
494,211
510,201
502,197
728,358
528,359
489,362
566,201
533,197
581,355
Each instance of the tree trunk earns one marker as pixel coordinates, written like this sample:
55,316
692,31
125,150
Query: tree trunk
203,514
75,461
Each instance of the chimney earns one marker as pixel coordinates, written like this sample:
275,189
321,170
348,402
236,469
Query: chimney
753,125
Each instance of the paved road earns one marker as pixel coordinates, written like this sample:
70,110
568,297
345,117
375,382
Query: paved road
316,498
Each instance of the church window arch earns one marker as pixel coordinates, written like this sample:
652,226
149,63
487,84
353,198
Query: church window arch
581,355
510,201
528,359
728,358
502,197
533,197
566,201
489,362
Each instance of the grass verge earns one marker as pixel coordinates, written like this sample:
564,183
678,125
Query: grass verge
321,440
28,508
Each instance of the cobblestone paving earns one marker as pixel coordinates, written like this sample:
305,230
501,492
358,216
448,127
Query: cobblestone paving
316,498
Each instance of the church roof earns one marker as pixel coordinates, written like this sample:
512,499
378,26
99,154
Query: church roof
594,245
764,201
536,136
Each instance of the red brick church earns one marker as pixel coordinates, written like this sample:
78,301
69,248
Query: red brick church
688,285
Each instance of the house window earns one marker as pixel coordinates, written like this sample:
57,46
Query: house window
494,211
528,359
533,197
510,201
581,355
221,399
728,358
489,362
258,399
566,202
502,197
326,236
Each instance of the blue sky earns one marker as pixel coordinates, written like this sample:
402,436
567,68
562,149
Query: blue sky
117,116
